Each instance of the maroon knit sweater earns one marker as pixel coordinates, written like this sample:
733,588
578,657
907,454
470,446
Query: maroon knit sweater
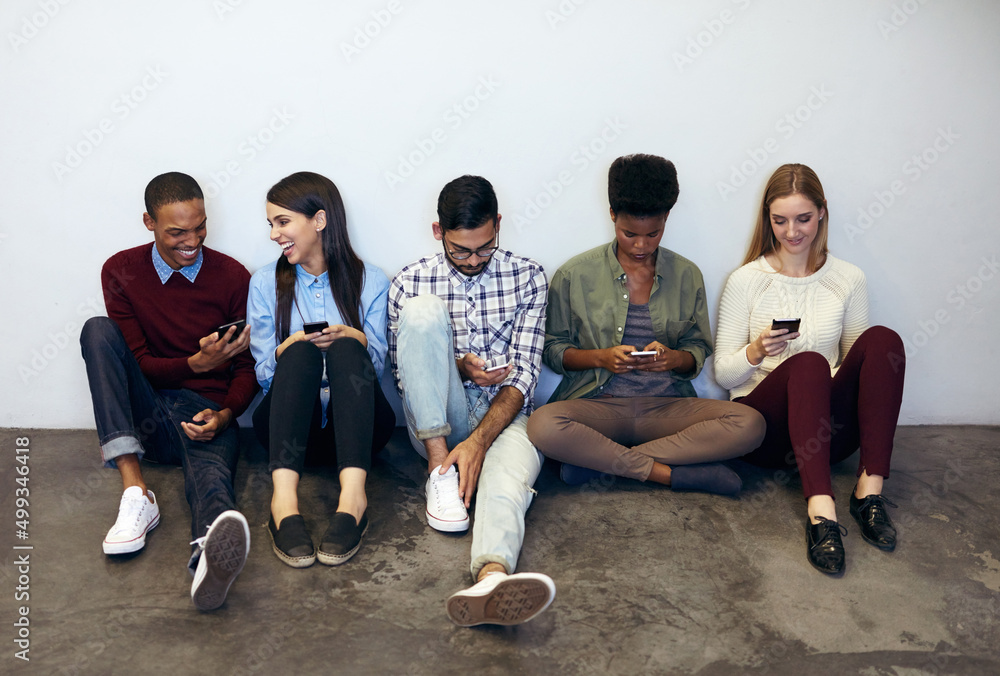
162,323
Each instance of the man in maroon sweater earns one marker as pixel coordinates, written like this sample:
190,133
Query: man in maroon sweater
166,387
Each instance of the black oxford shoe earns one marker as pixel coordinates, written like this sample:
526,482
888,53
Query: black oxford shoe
876,526
826,549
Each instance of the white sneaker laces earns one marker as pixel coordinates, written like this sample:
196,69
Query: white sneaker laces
446,492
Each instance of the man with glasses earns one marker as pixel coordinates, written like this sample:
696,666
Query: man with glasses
466,331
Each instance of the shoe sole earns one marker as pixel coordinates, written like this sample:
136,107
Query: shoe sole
337,559
447,526
873,543
132,545
510,602
293,561
226,549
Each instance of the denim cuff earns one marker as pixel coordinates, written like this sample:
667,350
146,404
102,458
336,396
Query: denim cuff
123,444
481,561
432,433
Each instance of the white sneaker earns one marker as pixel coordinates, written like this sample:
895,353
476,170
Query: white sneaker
501,599
224,551
445,509
137,515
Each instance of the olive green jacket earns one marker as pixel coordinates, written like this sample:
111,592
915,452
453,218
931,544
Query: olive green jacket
588,305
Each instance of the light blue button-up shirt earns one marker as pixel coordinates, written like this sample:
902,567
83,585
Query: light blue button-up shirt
163,269
313,303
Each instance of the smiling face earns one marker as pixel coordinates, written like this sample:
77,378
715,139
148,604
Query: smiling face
179,231
299,237
795,222
638,238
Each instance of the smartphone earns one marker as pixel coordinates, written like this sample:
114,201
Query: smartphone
643,353
501,363
314,327
791,324
240,324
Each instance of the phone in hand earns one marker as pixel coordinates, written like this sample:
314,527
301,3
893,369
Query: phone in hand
314,327
643,353
791,324
240,324
496,364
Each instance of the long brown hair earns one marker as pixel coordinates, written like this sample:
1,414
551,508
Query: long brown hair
787,180
307,193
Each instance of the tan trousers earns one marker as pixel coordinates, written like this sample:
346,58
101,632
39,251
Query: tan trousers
624,436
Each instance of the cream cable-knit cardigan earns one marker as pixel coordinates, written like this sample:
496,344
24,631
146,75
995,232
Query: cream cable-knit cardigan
832,302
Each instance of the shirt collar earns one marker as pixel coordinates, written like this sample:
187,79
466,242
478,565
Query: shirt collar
458,279
309,278
618,272
163,270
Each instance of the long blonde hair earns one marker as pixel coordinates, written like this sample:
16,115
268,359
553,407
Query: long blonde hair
787,180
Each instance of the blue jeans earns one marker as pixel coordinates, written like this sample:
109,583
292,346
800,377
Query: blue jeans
436,404
132,417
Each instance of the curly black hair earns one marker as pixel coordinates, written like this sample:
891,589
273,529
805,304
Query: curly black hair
642,185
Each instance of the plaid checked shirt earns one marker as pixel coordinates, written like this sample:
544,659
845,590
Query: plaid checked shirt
500,312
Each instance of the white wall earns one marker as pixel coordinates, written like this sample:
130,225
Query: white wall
869,86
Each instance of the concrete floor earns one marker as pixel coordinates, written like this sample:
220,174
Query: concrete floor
648,581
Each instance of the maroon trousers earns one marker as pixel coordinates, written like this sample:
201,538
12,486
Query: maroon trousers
814,420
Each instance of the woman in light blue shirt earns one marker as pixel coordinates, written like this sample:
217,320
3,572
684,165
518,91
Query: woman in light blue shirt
322,396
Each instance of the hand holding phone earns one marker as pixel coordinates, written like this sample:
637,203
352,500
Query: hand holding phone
240,324
791,324
313,327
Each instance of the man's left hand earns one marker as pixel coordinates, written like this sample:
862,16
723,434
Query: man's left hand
468,456
215,422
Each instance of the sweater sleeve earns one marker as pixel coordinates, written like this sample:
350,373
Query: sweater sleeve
855,313
162,372
732,368
242,382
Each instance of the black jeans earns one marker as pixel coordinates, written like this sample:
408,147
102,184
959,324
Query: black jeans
288,421
132,417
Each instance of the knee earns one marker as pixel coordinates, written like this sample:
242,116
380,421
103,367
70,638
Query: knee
301,354
423,313
884,337
809,364
99,331
344,350
544,426
753,425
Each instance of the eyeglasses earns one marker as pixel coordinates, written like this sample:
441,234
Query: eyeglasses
485,252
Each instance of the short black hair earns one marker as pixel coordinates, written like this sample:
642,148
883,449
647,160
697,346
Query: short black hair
169,188
642,185
466,203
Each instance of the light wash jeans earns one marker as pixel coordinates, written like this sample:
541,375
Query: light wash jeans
436,404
